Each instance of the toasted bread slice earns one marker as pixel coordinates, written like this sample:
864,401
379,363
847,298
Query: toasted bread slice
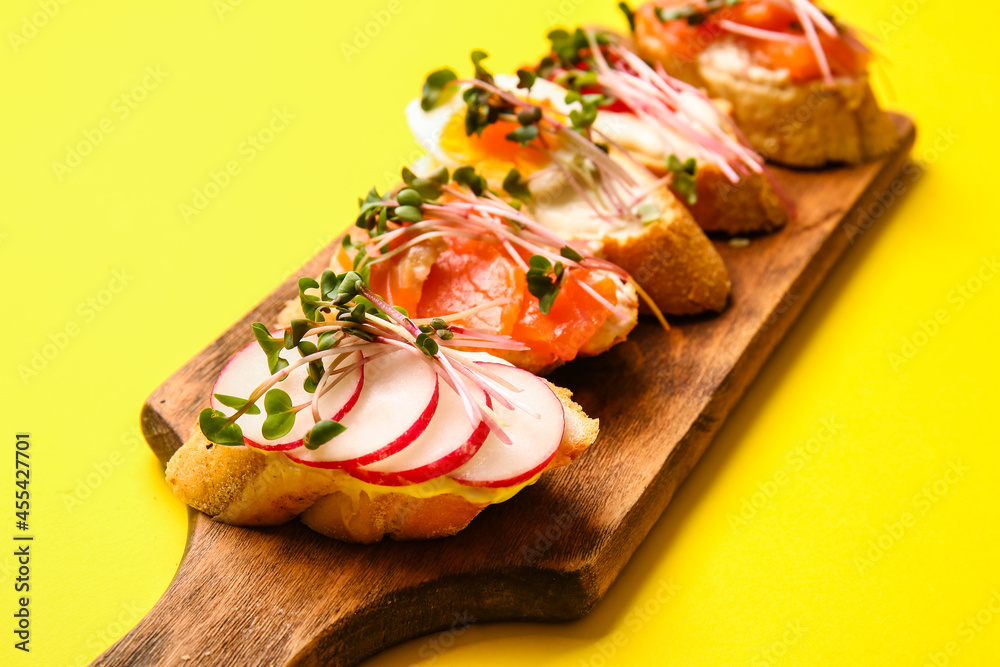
798,124
749,206
670,258
249,487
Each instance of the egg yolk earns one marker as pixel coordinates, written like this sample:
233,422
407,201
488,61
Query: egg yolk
491,153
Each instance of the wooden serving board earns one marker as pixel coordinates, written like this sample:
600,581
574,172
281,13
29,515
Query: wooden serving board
289,596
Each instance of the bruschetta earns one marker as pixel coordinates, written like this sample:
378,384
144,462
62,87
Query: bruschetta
522,136
796,77
672,128
366,423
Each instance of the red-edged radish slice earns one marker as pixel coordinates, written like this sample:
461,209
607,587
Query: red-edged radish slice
449,441
248,369
534,440
396,404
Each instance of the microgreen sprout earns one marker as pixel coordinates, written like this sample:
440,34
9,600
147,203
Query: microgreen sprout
468,208
607,186
696,13
545,281
685,176
629,15
811,21
346,317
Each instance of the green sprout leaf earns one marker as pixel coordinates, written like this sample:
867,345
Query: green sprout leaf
328,284
409,197
408,213
468,177
675,13
649,213
523,135
237,403
329,340
322,432
584,117
368,209
271,346
348,286
217,428
571,254
685,177
296,332
280,414
542,284
478,56
529,116
515,185
526,79
427,344
436,84
693,14
629,15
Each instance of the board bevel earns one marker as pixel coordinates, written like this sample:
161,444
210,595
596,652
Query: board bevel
288,596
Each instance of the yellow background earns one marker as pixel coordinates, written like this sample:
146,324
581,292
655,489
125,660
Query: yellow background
847,513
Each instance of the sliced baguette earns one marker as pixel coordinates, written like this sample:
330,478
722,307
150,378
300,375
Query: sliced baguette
798,124
248,487
670,258
749,206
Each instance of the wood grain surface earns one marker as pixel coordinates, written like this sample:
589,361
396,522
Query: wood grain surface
289,596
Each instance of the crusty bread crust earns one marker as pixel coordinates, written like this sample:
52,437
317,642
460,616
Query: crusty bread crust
672,260
366,519
247,487
807,125
750,206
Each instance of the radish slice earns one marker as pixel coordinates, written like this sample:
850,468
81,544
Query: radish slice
396,404
449,441
248,369
535,440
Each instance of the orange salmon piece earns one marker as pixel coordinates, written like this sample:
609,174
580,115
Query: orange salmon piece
468,274
574,318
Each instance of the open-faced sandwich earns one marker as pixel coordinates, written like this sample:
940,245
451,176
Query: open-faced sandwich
448,245
365,423
796,77
522,136
670,127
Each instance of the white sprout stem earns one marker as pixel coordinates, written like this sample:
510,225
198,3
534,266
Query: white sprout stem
758,33
325,385
496,387
464,313
655,98
521,264
610,307
479,344
810,29
568,173
818,17
650,189
321,385
267,384
426,236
